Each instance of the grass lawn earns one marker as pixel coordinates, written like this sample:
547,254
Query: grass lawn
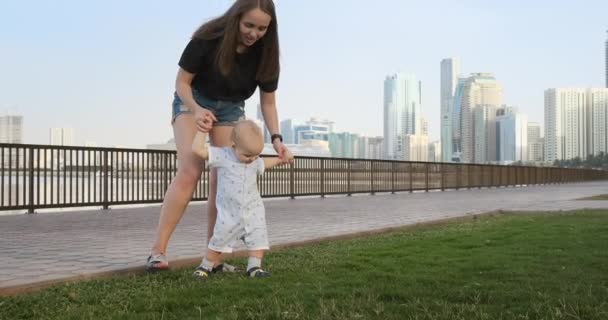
536,266
600,197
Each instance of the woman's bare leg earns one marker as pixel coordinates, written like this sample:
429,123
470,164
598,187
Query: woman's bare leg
179,193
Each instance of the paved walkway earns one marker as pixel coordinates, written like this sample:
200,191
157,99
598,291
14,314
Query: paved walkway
36,250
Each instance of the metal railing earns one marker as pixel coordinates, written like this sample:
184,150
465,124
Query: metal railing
42,176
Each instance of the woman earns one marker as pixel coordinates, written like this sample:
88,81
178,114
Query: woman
226,60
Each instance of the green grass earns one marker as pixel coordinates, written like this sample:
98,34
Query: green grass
600,197
537,266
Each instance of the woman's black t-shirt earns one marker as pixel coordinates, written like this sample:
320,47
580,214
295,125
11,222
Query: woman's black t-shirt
199,58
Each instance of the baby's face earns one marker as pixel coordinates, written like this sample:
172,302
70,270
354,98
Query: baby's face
244,155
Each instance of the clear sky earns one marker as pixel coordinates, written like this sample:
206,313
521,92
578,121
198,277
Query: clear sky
107,68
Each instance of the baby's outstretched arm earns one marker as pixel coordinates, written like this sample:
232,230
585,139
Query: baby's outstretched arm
272,162
199,145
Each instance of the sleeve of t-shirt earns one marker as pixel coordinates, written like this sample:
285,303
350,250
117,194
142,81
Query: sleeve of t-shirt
194,54
269,86
261,165
217,157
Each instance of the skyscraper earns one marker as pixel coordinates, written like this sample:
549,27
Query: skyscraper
450,69
402,110
287,130
597,106
412,147
512,136
484,133
370,147
535,146
566,121
480,89
11,129
435,151
343,144
457,121
61,136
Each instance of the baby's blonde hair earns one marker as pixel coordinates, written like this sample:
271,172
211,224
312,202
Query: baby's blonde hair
248,135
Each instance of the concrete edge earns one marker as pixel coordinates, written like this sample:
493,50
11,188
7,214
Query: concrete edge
191,261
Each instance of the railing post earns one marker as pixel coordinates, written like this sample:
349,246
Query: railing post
292,180
442,176
468,176
322,177
393,177
371,178
411,178
106,205
348,177
426,177
30,208
458,175
165,172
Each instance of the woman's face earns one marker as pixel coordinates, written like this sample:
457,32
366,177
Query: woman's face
253,26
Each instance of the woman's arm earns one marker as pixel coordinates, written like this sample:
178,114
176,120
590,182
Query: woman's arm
269,111
271,119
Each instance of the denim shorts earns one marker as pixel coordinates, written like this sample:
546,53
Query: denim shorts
227,113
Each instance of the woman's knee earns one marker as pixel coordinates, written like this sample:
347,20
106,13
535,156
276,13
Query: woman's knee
188,175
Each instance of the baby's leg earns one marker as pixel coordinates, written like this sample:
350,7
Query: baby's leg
254,265
212,259
205,269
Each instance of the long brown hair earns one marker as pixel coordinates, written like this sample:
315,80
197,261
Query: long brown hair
227,28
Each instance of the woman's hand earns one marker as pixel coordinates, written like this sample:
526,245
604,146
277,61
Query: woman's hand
284,153
204,119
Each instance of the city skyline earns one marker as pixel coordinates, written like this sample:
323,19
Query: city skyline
124,97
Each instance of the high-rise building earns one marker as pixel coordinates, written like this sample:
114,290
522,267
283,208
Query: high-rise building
566,123
456,121
606,60
597,106
412,147
287,130
313,129
450,69
343,144
484,123
480,89
369,148
11,129
435,152
402,110
424,126
512,136
535,146
61,136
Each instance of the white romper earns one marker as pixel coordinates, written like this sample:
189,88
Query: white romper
240,210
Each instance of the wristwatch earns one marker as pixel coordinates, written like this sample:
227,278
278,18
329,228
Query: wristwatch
275,136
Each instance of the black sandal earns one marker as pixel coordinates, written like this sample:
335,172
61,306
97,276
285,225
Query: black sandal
257,272
202,273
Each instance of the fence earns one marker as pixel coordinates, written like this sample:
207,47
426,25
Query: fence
41,176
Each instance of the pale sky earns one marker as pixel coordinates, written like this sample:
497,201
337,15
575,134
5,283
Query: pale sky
107,68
